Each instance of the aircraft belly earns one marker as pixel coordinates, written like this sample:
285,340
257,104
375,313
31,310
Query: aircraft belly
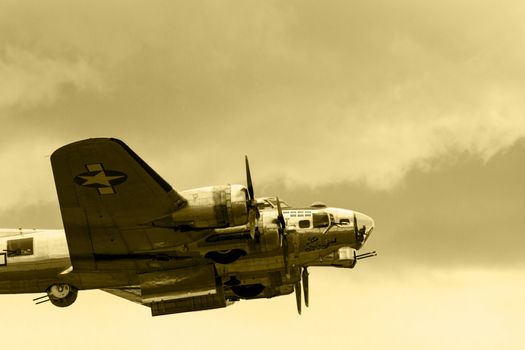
101,279
265,264
31,277
29,285
266,271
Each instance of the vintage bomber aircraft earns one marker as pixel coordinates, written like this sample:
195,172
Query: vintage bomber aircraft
129,233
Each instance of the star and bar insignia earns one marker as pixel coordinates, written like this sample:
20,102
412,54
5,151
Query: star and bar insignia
101,179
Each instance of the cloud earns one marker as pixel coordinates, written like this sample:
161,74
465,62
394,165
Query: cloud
333,101
313,93
465,212
418,309
26,175
29,79
332,93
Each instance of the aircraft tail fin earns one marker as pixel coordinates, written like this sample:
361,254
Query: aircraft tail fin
104,188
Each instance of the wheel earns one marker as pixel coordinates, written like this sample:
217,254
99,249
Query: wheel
225,257
62,295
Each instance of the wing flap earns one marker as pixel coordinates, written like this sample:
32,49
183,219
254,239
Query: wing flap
131,294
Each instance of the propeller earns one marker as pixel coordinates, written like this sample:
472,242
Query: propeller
297,288
282,234
305,285
284,244
251,202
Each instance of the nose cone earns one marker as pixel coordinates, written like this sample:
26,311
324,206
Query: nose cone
365,224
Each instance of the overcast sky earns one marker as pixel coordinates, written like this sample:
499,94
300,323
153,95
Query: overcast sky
409,111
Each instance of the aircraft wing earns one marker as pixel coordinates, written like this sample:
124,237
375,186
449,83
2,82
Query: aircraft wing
107,196
131,294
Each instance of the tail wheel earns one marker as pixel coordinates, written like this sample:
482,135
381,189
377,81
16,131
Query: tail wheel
225,257
62,295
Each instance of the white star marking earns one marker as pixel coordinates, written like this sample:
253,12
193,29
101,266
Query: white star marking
100,179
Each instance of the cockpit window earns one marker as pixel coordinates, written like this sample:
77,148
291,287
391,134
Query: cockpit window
321,220
344,221
264,205
270,202
18,247
281,202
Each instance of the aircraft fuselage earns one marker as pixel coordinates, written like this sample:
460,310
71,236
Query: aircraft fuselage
33,260
130,233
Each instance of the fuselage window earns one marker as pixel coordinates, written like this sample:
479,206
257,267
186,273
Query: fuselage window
18,247
321,219
304,223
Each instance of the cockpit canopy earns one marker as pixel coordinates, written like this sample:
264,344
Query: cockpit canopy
270,203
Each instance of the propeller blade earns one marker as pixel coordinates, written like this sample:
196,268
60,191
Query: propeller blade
280,216
251,203
305,285
249,179
282,234
251,221
297,288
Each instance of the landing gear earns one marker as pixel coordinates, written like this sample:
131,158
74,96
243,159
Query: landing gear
62,295
225,256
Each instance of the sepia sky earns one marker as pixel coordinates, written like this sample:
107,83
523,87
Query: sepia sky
411,112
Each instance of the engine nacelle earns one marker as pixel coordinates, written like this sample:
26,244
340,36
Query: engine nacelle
210,207
269,240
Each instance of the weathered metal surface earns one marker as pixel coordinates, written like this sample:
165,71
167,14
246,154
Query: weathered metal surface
128,232
197,303
178,284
